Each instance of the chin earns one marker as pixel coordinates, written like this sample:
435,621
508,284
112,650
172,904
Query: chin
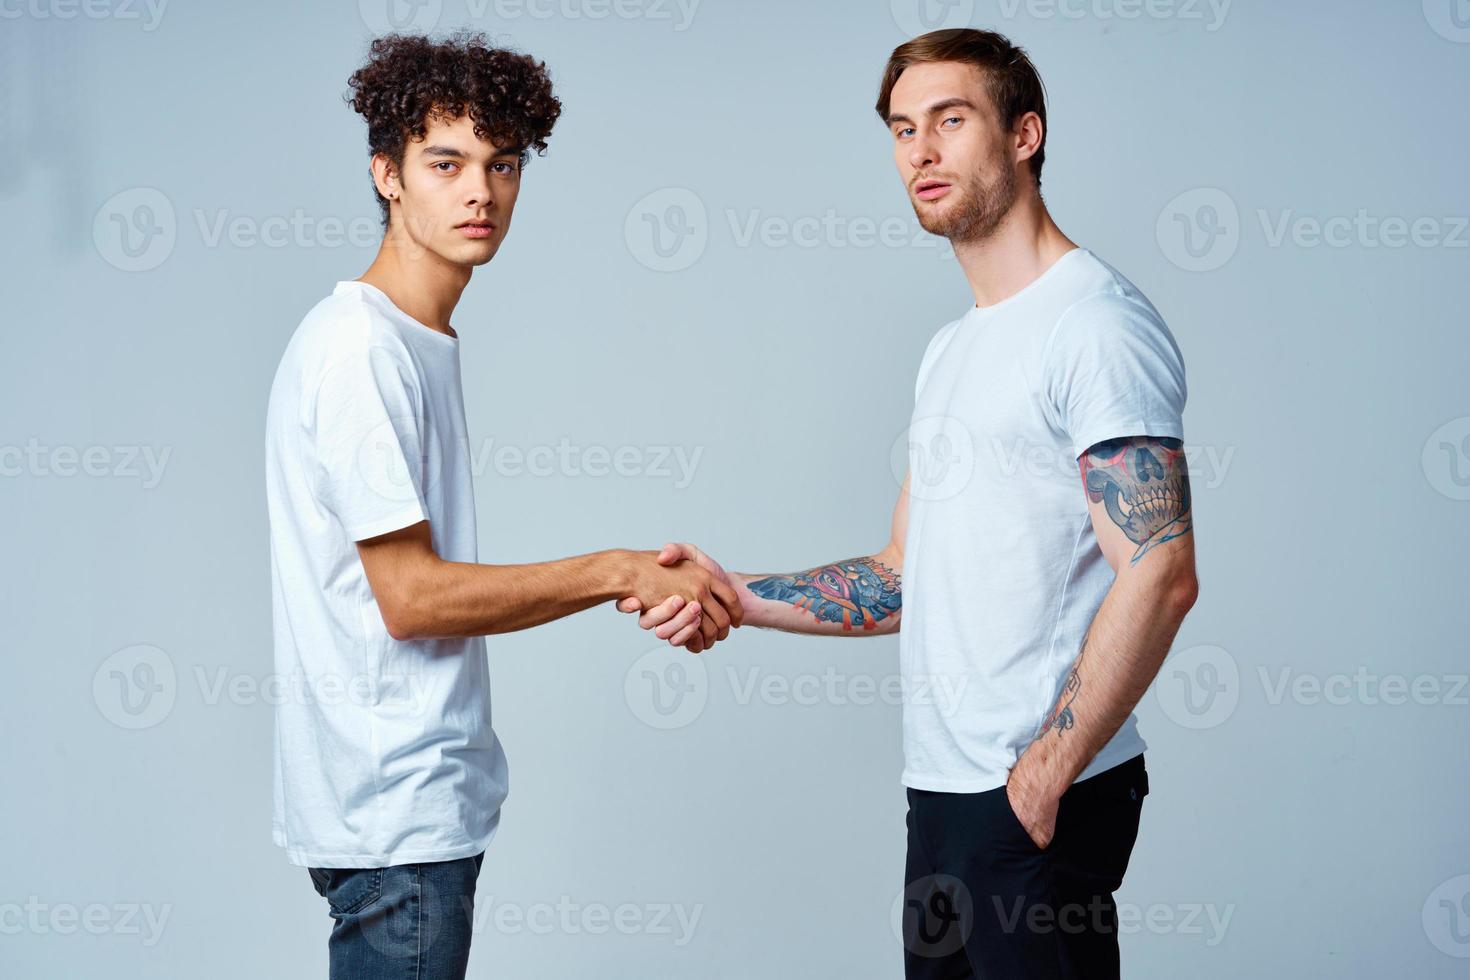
935,218
475,253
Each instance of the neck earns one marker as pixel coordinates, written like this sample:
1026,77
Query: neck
419,283
1022,247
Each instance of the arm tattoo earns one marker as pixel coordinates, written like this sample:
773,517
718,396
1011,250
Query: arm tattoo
856,592
1144,484
1062,717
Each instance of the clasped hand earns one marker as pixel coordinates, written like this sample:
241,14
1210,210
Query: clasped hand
685,597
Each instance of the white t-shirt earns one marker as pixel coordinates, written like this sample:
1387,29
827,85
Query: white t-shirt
383,748
1002,573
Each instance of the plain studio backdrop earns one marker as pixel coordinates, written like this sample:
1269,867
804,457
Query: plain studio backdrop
705,325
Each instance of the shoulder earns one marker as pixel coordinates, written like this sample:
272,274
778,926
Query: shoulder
347,329
1107,309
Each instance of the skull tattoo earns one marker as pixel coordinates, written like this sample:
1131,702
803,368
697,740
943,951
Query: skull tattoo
1143,484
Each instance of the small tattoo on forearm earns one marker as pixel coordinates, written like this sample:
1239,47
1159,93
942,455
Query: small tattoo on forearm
1062,717
1144,484
857,592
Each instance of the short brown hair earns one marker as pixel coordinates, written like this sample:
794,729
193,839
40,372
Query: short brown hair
1015,87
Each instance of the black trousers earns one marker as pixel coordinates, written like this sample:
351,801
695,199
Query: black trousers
982,900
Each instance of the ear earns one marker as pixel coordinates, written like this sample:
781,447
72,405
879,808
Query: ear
385,176
1029,132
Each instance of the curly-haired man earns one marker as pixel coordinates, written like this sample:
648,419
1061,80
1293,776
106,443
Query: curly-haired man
388,776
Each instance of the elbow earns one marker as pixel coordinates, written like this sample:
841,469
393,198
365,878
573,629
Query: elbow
1182,593
404,613
399,627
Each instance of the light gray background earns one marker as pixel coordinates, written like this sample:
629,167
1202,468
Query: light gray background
1290,833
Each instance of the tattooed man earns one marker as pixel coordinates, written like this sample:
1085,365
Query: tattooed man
1041,556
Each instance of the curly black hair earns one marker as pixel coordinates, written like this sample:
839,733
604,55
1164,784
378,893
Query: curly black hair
409,79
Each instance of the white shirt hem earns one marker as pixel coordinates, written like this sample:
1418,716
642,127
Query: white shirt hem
1108,758
305,858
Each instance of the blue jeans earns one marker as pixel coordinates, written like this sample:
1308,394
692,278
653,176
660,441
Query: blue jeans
408,920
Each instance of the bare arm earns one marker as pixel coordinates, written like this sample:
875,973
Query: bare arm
860,596
421,595
1138,497
857,597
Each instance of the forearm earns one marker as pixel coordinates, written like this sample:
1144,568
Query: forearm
856,597
1122,653
450,599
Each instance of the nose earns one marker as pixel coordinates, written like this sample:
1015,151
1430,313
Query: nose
477,192
923,153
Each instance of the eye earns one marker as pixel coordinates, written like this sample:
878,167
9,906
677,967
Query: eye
504,168
442,164
905,132
952,119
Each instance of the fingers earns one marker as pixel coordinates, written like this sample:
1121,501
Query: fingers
684,635
709,628
629,605
728,598
691,616
662,613
673,553
714,610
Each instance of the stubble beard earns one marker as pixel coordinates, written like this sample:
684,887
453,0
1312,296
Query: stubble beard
984,206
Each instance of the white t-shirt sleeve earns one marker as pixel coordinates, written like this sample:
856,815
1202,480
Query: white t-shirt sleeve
1112,370
367,429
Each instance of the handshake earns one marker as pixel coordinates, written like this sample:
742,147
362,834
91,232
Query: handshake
684,596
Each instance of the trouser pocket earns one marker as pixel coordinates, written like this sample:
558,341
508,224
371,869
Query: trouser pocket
347,890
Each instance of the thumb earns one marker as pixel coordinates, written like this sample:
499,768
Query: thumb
673,553
629,605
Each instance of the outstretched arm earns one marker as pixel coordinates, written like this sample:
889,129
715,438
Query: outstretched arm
1138,497
421,596
860,596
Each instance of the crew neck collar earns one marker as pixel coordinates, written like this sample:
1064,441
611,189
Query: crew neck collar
375,291
1047,273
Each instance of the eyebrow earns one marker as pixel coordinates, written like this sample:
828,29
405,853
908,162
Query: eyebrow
955,103
449,151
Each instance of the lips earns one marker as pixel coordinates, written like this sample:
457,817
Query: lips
931,190
476,229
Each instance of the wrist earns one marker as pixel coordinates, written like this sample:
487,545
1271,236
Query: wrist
618,573
754,609
1036,775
